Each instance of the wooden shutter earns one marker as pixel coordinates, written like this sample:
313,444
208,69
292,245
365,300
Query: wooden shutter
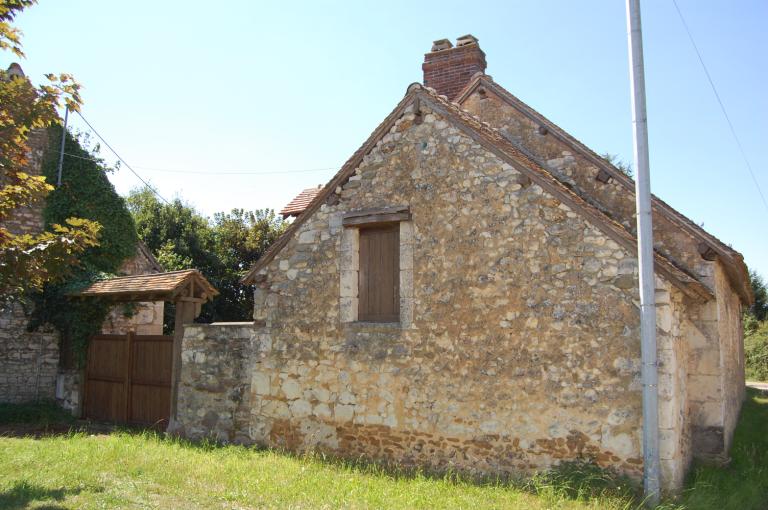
379,281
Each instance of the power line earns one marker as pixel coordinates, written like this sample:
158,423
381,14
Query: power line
244,172
213,172
153,190
722,106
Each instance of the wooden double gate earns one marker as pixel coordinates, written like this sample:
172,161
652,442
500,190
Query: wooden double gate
128,379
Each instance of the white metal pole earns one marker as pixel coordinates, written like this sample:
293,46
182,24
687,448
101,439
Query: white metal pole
649,373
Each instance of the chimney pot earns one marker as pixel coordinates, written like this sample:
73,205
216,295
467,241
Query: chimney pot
442,44
466,39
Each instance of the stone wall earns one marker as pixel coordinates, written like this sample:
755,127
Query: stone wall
571,167
143,318
711,356
675,449
28,219
28,361
715,368
523,346
215,389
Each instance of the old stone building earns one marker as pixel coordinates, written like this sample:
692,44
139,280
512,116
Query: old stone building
463,294
33,364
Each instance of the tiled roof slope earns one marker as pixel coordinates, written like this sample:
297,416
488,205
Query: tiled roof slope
492,140
145,285
300,202
732,259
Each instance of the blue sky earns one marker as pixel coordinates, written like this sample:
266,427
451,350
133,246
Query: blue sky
285,89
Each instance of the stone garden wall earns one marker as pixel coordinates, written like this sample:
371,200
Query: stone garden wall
215,389
28,361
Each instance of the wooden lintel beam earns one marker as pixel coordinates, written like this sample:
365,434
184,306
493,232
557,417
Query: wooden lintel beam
379,215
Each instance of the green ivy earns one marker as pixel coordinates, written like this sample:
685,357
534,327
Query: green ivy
85,192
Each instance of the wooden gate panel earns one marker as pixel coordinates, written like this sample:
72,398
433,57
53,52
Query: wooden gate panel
152,359
151,379
107,357
105,385
150,405
128,379
105,401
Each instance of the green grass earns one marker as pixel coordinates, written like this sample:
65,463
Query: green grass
144,470
42,414
744,483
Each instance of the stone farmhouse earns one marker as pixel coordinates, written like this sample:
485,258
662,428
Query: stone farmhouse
463,294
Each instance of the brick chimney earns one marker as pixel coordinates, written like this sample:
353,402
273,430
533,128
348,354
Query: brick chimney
448,69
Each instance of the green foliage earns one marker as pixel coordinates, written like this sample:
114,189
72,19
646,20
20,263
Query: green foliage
85,192
759,310
625,168
223,248
756,331
756,351
28,261
240,239
77,320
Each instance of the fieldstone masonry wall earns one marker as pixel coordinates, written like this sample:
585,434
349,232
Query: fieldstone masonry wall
521,349
28,361
715,380
215,390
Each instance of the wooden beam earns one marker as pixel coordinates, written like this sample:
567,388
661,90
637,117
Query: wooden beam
190,299
378,215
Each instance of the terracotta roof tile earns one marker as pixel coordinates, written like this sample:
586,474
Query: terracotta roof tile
300,202
157,285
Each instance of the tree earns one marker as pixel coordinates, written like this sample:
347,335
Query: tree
759,310
240,238
222,248
29,261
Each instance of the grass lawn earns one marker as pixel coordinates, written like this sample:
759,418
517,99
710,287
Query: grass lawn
144,470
